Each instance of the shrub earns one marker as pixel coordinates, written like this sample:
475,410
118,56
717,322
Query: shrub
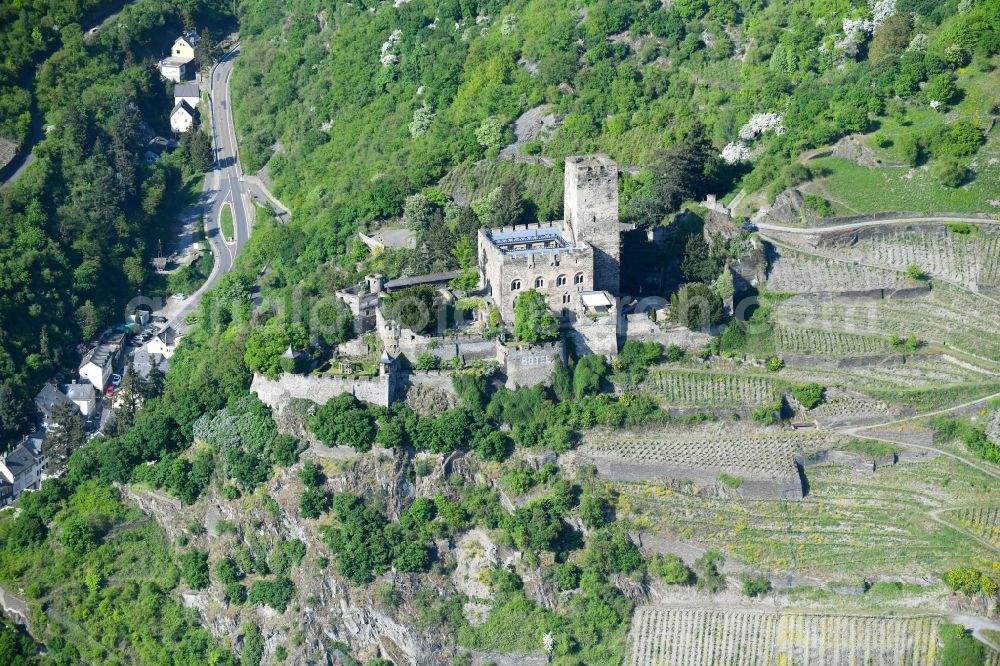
344,420
594,511
635,359
194,568
427,361
774,364
673,354
671,569
253,645
950,172
313,503
730,480
970,581
706,568
810,395
533,321
277,593
588,375
566,575
311,474
755,585
915,272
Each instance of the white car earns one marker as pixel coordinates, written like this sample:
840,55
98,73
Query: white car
116,380
179,297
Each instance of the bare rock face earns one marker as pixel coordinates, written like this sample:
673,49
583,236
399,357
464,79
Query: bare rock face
325,607
428,401
852,148
788,207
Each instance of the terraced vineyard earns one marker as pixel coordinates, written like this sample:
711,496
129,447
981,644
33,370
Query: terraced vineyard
763,452
966,259
983,522
850,522
849,410
947,315
704,388
796,340
699,637
794,272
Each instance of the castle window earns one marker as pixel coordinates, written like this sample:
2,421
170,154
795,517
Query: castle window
539,282
578,279
565,298
515,285
561,281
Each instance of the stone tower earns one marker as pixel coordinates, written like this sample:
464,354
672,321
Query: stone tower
591,213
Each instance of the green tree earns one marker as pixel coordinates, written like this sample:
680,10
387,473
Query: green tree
950,172
77,535
671,569
809,395
533,321
698,264
200,149
590,372
707,569
755,585
194,568
313,503
344,421
941,88
66,435
696,306
890,39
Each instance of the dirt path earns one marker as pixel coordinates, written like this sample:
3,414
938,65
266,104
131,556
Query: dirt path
936,517
861,431
941,218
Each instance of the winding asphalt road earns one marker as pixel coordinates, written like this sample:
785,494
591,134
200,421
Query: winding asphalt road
224,185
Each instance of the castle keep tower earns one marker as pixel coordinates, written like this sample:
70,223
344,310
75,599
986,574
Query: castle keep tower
591,214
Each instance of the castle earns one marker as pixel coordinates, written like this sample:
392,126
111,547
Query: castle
573,262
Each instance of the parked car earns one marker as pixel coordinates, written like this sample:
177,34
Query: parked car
110,390
160,319
116,380
179,297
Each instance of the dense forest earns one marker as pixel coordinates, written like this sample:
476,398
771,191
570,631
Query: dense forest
81,225
405,94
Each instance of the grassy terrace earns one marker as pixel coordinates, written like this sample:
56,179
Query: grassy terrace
850,523
855,189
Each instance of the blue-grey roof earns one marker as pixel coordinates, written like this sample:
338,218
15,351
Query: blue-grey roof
529,240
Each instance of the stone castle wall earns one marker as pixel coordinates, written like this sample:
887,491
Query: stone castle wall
595,336
643,329
527,365
379,390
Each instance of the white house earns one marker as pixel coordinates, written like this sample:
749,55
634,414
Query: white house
163,343
187,92
182,118
83,396
174,69
99,363
184,46
175,66
22,469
